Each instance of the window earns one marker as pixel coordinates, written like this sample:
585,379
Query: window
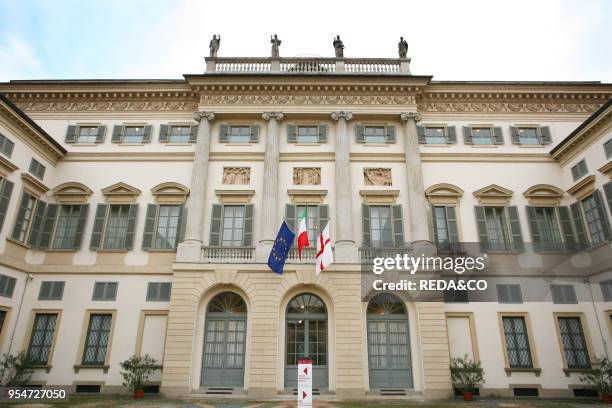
167,226
116,227
312,221
96,342
233,225
608,148
37,169
499,228
41,339
530,135
445,226
482,136
158,291
87,134
456,296
6,146
105,291
67,225
509,293
6,190
307,134
113,227
25,216
7,286
545,228
574,343
517,342
381,232
374,134
2,319
133,134
606,290
434,135
51,290
579,170
239,134
179,134
596,219
563,294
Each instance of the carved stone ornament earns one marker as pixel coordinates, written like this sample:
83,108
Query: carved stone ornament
405,116
306,175
377,177
272,115
336,116
236,175
199,115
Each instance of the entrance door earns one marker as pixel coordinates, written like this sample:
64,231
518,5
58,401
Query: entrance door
224,342
389,359
306,336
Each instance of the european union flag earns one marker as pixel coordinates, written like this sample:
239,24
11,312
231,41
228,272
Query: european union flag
280,249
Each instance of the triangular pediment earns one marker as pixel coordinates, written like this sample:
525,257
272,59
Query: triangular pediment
493,194
121,192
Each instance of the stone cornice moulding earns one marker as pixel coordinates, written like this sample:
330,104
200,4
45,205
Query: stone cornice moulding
170,192
235,196
444,193
544,195
583,188
6,166
493,194
33,185
606,169
72,192
306,196
120,193
375,196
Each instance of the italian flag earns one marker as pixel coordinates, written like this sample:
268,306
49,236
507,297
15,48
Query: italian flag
302,238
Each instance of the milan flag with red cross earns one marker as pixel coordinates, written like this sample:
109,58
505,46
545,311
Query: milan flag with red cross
325,256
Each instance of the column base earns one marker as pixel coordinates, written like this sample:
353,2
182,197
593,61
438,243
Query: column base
258,393
346,252
189,251
262,251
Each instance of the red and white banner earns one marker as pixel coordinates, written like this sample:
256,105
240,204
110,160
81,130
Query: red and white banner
304,380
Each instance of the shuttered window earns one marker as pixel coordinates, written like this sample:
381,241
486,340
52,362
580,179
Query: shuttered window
158,291
25,215
89,134
596,218
517,342
374,134
116,227
436,134
67,225
239,134
96,342
37,169
382,226
316,219
51,290
499,228
606,290
7,286
132,134
163,227
579,170
574,343
179,134
482,135
563,294
546,228
530,135
446,231
231,225
6,145
306,133
105,291
509,293
608,148
41,339
6,190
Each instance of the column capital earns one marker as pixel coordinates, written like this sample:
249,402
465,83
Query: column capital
272,115
405,116
199,115
336,116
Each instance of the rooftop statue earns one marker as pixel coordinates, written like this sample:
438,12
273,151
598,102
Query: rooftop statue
214,45
275,44
338,47
402,48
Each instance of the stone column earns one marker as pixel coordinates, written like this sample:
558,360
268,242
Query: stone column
345,250
190,249
417,203
269,207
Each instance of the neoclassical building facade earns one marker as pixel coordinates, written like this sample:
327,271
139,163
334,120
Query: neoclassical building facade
137,217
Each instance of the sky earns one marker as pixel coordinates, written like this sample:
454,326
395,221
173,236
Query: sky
539,40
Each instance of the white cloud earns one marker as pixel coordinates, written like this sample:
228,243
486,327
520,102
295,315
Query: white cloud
19,60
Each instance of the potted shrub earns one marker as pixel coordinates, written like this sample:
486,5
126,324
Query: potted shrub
468,374
601,377
15,370
136,372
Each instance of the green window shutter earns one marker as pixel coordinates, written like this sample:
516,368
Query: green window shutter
515,228
453,229
323,217
117,134
359,133
20,216
98,227
215,225
180,228
131,226
291,133
100,134
224,133
78,237
421,134
566,228
291,216
71,134
482,227
193,133
581,237
545,137
390,137
6,190
607,190
533,227
36,224
467,135
603,215
46,234
498,136
164,133
365,224
451,135
434,223
247,233
149,227
254,134
322,133
514,133
146,137
398,225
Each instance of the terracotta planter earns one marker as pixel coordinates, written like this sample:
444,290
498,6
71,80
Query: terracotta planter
468,396
138,393
606,398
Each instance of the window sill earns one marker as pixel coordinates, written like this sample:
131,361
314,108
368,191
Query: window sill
435,144
153,250
304,144
500,252
61,250
484,146
46,367
130,144
568,371
538,146
376,144
112,251
237,144
178,144
83,144
78,367
21,244
510,370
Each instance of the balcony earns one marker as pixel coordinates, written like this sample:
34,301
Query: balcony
213,254
309,65
368,253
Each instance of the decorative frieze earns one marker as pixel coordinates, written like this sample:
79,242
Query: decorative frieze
236,175
518,107
292,99
377,177
306,175
106,106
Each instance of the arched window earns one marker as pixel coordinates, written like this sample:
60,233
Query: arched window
227,302
385,304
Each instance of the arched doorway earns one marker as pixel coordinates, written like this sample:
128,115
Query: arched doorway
224,341
306,336
389,359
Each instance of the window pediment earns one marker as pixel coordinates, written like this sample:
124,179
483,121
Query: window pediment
606,169
6,166
443,193
33,185
235,196
543,194
304,196
120,193
379,196
72,192
493,194
170,192
583,188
